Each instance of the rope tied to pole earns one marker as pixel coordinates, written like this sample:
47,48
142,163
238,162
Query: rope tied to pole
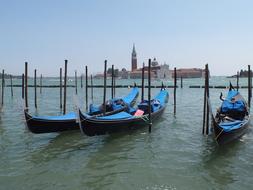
219,134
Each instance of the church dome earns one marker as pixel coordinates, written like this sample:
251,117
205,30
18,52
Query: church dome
154,63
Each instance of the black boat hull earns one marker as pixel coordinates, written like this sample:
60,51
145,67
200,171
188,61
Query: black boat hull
49,126
223,137
38,125
94,126
232,112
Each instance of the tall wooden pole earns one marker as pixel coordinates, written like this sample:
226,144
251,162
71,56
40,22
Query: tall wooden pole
104,98
207,94
65,87
40,83
204,108
23,86
149,96
86,87
237,81
81,81
3,87
35,88
112,88
175,89
91,83
249,86
76,81
114,85
61,89
142,82
11,87
181,82
26,85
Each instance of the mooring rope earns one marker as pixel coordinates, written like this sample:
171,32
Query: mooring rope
144,118
219,134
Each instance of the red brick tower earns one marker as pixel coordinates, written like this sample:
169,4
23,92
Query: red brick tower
134,59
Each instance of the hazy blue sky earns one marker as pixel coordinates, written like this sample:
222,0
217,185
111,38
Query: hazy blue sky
179,32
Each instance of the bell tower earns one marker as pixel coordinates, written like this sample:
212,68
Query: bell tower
134,59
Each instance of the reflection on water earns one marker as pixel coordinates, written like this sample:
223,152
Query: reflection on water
216,164
220,163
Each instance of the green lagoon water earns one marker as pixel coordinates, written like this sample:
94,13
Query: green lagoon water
174,156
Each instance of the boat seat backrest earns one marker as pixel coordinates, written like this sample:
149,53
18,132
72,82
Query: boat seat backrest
233,105
144,106
237,115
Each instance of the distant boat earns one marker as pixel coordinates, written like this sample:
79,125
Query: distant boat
125,120
48,124
232,118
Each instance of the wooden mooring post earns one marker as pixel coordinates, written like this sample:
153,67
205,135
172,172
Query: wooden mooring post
205,128
149,96
23,86
41,84
3,87
237,81
112,86
65,87
91,83
104,97
35,88
175,90
181,82
26,85
81,80
61,89
86,87
11,86
249,86
76,81
207,104
142,82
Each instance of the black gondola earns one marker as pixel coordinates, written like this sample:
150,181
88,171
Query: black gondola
232,118
134,118
48,124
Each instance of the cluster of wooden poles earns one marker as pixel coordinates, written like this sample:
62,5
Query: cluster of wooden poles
63,87
207,110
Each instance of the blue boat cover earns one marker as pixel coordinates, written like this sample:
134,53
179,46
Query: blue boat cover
231,94
94,108
229,105
229,126
127,99
120,115
162,96
159,101
68,116
131,110
130,97
116,106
